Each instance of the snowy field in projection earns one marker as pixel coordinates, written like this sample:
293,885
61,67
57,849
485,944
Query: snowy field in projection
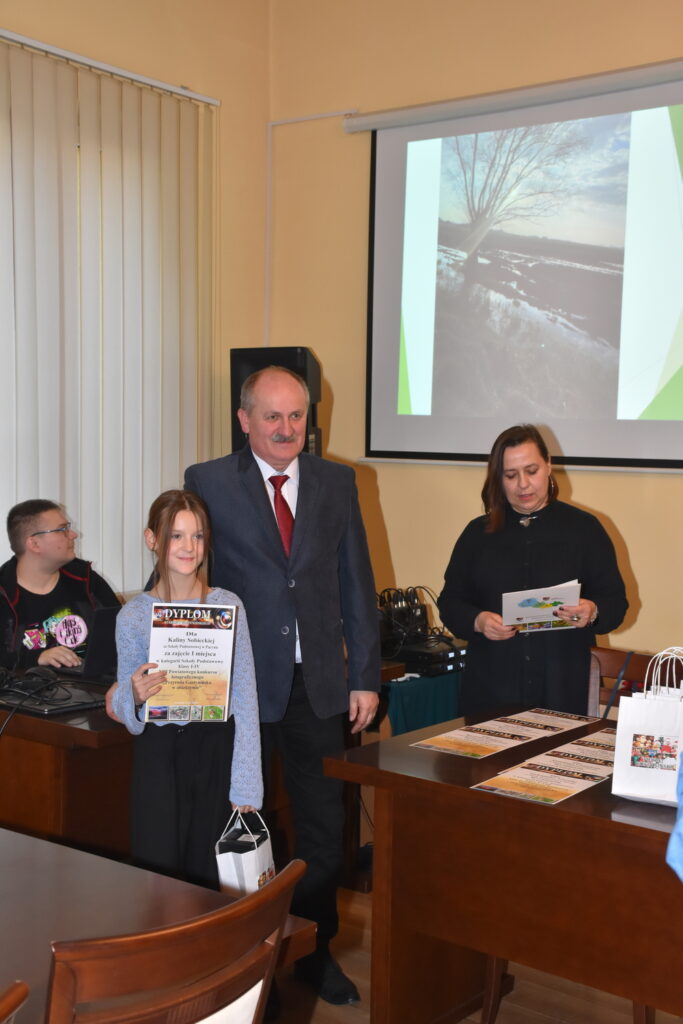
528,272
531,330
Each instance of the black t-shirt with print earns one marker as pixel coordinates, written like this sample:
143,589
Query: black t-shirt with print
50,620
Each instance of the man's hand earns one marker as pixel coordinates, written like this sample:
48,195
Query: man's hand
362,708
59,657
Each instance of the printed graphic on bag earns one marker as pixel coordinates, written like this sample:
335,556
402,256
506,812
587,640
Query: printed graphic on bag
266,876
659,752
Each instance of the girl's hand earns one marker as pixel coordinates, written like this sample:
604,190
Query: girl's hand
109,701
244,809
145,682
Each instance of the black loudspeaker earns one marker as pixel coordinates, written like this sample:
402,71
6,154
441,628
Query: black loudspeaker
245,361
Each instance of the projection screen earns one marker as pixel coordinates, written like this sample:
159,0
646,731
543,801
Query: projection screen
526,265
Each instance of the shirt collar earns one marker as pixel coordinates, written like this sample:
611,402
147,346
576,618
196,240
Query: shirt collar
292,470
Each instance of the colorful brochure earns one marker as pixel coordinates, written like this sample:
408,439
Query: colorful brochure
532,610
502,733
194,644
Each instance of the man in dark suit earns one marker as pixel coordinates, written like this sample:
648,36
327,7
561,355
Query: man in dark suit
308,590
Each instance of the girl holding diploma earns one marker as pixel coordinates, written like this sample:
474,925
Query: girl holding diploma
186,776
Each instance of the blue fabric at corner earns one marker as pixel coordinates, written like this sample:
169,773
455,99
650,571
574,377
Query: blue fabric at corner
674,853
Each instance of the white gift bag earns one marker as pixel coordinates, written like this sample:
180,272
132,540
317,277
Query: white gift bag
244,855
649,734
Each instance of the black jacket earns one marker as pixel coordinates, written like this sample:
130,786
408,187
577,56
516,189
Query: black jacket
548,669
87,591
325,586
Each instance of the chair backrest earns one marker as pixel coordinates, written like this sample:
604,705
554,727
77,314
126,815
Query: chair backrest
606,665
11,1000
218,964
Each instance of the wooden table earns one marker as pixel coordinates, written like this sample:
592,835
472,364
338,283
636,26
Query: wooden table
570,889
67,777
52,892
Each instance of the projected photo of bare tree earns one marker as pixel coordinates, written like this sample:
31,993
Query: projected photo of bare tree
530,270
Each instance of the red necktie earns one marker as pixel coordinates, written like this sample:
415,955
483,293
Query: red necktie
283,513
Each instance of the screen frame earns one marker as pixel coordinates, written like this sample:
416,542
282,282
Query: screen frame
670,72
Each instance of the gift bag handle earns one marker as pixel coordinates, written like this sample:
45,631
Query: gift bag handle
661,669
236,817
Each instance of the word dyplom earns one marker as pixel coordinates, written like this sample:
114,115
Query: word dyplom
199,616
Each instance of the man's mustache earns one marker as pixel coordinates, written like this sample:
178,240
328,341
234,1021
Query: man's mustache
283,438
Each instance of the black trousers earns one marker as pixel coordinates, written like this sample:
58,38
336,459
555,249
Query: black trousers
180,798
316,802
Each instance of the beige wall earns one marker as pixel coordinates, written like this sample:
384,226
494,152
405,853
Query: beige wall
388,53
296,58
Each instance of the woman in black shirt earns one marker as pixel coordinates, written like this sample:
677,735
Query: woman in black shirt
528,539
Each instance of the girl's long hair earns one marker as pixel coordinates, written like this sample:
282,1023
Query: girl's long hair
160,521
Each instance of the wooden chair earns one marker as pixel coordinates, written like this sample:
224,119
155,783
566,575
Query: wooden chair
11,1000
607,665
220,963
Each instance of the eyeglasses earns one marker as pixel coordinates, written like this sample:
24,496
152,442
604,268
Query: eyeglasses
57,529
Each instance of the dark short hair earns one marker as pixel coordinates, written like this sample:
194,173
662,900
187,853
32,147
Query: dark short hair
247,389
22,521
492,493
160,521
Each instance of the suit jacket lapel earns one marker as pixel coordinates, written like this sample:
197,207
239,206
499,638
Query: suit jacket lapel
252,481
307,497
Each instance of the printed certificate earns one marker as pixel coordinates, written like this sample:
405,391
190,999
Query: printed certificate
194,644
576,759
603,740
560,773
532,610
501,733
540,783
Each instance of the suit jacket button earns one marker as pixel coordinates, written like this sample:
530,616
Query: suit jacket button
291,583
285,630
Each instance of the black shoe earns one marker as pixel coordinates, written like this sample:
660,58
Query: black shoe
273,1003
321,972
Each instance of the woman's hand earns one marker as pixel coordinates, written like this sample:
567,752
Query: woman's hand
145,682
579,615
243,810
493,627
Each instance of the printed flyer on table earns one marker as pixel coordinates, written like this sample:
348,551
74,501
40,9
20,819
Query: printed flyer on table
559,773
502,733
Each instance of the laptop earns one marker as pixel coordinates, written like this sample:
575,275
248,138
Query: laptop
99,663
40,696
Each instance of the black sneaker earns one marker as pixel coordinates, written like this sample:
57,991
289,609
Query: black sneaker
321,972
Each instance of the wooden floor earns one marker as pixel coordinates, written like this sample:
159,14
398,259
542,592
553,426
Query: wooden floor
537,998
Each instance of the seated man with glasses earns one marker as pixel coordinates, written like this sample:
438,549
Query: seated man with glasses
47,596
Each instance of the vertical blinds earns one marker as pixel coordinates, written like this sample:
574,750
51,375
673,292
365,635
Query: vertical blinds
106,192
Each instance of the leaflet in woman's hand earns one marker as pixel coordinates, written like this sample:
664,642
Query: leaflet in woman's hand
532,610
